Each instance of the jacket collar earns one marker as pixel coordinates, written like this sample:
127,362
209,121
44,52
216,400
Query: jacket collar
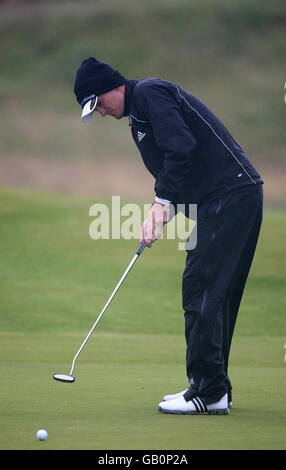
129,88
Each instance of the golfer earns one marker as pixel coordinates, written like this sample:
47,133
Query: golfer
194,160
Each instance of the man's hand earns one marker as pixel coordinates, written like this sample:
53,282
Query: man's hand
152,227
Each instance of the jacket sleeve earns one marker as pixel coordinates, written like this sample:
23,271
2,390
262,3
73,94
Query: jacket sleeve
172,135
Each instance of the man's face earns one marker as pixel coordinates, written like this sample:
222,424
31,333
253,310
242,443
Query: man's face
112,103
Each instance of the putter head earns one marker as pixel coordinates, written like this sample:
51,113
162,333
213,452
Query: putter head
64,378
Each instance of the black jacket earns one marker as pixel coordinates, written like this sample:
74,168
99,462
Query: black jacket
187,149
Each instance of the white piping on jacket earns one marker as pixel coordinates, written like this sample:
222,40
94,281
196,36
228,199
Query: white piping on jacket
208,124
138,120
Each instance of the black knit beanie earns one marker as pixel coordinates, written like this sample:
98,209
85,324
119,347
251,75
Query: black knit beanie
95,78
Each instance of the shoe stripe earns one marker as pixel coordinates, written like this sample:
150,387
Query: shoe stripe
204,406
193,400
199,405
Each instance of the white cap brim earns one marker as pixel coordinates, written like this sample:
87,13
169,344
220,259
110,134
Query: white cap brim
88,109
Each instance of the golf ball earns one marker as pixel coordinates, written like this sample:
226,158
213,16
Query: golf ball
42,435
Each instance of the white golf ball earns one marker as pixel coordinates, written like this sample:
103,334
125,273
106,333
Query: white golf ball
42,435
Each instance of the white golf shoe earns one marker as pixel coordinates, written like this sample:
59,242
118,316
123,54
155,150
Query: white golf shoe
194,406
180,394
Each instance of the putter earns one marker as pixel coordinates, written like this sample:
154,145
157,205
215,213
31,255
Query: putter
69,378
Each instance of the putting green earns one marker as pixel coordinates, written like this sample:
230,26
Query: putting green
120,380
54,282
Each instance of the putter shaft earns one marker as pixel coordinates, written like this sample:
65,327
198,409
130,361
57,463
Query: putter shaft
138,252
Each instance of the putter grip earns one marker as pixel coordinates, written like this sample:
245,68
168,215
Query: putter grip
141,248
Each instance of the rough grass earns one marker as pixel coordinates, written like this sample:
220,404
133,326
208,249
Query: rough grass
230,54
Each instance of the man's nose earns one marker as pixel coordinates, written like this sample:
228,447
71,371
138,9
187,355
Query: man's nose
102,112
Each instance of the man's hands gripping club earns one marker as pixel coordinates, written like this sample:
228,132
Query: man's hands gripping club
152,227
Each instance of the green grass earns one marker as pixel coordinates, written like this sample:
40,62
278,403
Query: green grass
55,279
54,282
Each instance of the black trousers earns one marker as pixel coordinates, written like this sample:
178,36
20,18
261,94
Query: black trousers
213,283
